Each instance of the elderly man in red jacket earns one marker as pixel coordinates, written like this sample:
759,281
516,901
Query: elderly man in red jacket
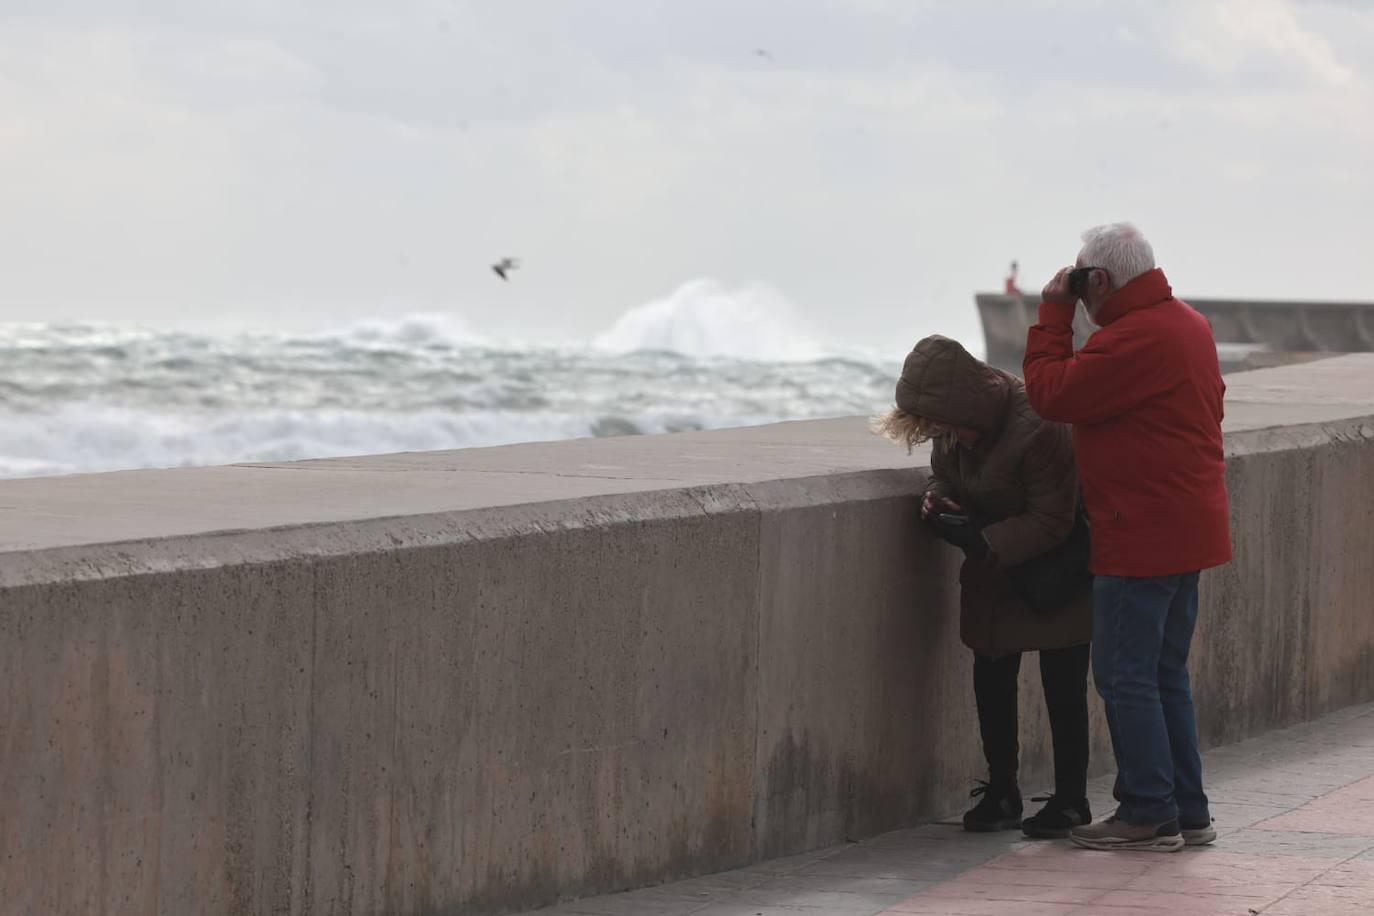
1144,396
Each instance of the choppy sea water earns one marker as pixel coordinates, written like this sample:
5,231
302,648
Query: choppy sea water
79,398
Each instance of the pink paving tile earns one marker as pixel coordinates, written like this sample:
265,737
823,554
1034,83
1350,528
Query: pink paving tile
1243,886
1315,892
1109,884
1349,820
1199,883
1210,858
1362,789
1304,902
1063,857
980,887
1058,877
1348,811
1358,873
1214,907
933,906
1177,904
1219,866
1042,873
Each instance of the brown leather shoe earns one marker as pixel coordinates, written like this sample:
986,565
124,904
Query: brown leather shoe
1114,833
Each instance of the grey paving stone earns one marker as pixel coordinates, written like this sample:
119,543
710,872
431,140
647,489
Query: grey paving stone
756,874
900,887
801,895
629,904
948,842
1229,817
1222,792
943,859
720,882
1282,785
701,890
1311,845
792,863
885,869
676,899
741,908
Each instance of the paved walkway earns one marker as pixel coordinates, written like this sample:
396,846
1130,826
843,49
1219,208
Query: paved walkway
1295,810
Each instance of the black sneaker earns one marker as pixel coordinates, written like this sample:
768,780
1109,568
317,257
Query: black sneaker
999,809
1059,816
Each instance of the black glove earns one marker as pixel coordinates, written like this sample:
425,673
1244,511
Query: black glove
967,537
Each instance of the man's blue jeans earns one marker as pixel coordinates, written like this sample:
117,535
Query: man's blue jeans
1142,629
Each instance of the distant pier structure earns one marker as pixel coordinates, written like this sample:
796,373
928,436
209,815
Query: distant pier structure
1246,330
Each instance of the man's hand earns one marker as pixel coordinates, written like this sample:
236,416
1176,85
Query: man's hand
1057,290
933,503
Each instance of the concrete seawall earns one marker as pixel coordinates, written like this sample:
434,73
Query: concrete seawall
1242,327
479,681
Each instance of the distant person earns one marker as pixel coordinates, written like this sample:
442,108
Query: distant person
1011,475
1012,288
1144,396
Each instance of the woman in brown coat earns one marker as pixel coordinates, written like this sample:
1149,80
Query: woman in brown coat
1012,474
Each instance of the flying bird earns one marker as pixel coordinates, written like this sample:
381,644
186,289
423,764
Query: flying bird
765,54
504,266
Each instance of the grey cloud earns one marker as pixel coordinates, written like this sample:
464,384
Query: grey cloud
239,155
433,62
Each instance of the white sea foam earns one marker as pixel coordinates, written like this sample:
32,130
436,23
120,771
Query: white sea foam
87,438
704,319
93,398
410,328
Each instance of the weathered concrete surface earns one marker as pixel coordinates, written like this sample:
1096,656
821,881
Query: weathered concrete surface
478,681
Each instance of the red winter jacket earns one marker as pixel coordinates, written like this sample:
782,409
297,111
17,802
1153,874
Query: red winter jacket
1144,396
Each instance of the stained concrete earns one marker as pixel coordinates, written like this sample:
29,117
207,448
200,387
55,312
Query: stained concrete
482,680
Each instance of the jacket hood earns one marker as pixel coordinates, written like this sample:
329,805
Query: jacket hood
942,381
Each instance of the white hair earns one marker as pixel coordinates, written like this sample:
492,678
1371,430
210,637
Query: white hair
1119,249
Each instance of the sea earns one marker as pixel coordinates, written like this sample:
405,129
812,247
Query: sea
78,398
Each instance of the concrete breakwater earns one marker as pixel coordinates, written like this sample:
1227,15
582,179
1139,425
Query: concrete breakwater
1242,327
482,680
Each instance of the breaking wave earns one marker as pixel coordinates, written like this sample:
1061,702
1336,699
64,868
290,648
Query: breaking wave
79,398
703,319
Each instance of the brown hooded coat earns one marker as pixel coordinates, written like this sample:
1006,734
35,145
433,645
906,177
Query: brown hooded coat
1018,480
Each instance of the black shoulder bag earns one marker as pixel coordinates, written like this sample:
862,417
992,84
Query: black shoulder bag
1059,576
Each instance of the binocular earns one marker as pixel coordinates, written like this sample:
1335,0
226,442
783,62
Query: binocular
1078,281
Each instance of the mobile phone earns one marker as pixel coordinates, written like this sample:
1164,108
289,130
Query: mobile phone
953,519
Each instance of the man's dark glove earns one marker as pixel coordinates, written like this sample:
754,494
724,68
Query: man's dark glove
967,537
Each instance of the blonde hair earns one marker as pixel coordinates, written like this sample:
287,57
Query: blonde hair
908,428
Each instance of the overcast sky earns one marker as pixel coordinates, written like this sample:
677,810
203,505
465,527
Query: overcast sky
309,162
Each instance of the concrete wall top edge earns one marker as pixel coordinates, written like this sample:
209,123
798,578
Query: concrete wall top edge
211,549
133,522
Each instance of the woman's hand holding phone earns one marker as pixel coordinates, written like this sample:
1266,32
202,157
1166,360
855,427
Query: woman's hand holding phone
932,502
